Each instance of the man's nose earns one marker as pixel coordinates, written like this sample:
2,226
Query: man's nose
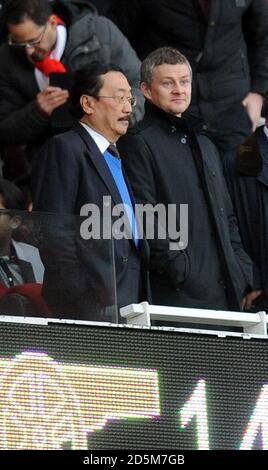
178,88
127,107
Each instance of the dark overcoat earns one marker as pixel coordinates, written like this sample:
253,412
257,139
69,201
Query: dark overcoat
167,163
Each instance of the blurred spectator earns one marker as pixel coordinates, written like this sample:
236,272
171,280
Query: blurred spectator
2,28
226,43
88,277
42,48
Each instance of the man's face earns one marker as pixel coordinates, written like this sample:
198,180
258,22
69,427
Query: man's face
42,38
106,114
170,88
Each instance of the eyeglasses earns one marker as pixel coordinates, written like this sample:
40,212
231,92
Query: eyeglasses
29,44
122,99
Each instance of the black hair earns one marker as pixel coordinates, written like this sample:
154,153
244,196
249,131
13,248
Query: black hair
88,82
12,197
16,11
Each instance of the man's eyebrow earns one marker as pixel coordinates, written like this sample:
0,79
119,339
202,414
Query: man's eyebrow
28,40
124,89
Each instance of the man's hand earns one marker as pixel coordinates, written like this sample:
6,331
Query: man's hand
249,299
51,98
253,102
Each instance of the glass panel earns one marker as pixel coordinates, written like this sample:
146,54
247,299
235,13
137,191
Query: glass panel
48,268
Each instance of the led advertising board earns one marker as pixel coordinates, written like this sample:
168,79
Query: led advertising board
67,386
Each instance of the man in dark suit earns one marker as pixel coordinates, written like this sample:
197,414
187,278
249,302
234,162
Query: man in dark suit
88,272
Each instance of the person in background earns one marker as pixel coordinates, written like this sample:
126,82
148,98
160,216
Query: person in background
21,269
47,41
226,44
248,186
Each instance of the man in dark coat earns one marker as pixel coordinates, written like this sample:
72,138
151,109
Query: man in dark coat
41,45
90,267
226,43
168,163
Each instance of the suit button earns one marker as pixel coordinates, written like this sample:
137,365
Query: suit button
212,24
177,289
183,140
124,259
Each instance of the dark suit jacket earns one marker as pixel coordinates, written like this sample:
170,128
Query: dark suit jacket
82,277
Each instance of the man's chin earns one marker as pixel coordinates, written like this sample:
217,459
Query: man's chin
37,58
124,128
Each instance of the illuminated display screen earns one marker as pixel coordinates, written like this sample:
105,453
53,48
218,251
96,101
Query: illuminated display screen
89,387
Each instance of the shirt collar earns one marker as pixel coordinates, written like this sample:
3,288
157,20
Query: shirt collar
265,130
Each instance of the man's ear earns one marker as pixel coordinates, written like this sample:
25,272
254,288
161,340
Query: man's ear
87,104
146,90
53,20
15,221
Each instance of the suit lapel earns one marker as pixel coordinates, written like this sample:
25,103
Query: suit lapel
101,166
26,271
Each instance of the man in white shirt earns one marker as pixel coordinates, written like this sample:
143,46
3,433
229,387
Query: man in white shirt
82,167
248,185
